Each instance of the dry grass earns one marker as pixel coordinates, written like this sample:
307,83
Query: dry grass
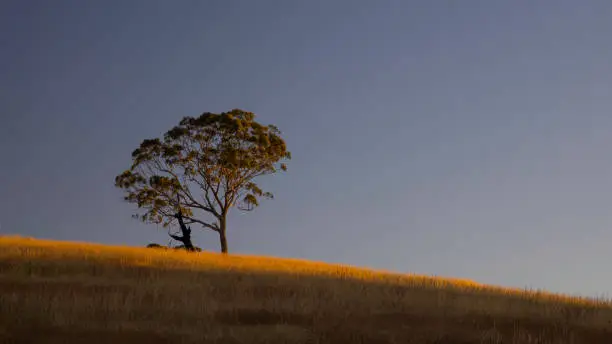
60,292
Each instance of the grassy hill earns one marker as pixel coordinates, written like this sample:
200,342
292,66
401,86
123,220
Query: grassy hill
62,292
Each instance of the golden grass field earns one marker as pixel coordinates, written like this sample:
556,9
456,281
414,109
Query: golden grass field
62,292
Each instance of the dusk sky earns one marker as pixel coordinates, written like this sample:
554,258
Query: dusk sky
467,139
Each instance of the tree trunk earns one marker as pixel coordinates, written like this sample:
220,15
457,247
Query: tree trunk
222,233
186,238
186,234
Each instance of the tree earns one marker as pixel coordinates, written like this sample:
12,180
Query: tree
201,169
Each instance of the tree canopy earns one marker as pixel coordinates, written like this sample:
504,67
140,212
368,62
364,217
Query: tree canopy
202,168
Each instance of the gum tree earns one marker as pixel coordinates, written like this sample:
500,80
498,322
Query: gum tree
202,168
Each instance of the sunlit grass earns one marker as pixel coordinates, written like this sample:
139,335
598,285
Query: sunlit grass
64,286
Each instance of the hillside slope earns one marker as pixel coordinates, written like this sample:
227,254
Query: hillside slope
62,292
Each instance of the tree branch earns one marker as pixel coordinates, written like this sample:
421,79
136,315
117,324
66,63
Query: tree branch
212,227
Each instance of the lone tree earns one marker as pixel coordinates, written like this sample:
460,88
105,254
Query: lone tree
201,169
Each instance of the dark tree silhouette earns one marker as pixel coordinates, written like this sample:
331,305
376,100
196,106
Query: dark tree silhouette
201,169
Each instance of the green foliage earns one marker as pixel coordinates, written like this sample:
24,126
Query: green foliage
203,167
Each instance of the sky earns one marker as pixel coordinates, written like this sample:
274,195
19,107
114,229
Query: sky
463,139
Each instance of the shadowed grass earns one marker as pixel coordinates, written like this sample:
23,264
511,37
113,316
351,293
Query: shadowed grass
72,292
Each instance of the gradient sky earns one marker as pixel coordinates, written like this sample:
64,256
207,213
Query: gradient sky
467,139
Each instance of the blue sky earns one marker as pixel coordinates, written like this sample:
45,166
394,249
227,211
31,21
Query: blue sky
467,139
